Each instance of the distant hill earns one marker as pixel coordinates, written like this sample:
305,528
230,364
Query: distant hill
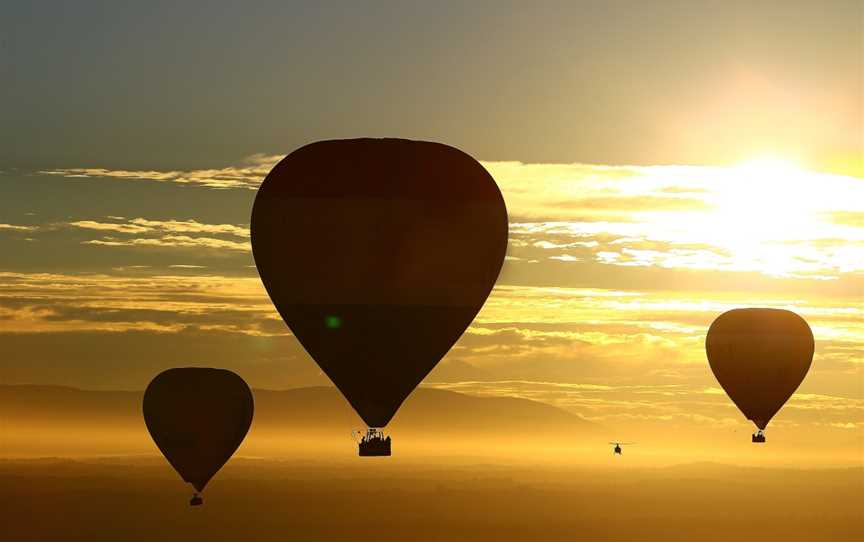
425,410
54,404
314,409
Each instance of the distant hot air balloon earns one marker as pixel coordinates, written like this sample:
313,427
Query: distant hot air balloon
760,357
378,253
197,417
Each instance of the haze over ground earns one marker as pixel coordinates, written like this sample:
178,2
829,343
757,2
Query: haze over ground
133,500
479,469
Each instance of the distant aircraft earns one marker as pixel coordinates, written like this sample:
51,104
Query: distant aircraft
378,253
617,449
197,417
759,356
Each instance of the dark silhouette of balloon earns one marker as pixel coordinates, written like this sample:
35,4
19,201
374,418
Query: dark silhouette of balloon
378,253
760,357
197,417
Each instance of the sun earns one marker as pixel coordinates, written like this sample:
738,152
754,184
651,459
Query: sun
769,165
760,208
764,199
769,185
766,215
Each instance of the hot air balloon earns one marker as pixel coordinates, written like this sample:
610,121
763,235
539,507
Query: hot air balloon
759,357
378,253
197,417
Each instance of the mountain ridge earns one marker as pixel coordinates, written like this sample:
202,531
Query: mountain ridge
310,408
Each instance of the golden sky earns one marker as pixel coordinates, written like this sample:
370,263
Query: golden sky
662,162
612,277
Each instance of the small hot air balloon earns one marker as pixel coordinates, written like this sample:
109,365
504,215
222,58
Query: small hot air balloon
378,253
197,417
759,357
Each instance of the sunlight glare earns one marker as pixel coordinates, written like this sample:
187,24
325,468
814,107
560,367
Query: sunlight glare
760,207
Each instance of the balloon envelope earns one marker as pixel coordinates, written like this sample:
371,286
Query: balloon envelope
197,417
759,356
378,253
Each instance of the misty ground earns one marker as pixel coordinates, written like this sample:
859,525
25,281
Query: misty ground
464,468
141,498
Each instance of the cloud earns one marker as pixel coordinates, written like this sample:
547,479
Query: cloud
50,302
854,219
688,217
815,401
668,248
607,404
612,356
247,175
166,233
647,244
597,322
662,329
191,226
142,225
846,425
15,227
173,241
109,226
664,217
677,403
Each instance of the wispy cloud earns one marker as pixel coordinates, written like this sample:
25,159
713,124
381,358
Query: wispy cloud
665,217
166,233
682,403
566,331
174,241
142,225
191,226
668,217
109,226
16,227
664,249
50,302
247,175
670,244
561,324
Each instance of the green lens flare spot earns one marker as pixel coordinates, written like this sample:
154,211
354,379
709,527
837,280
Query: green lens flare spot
332,322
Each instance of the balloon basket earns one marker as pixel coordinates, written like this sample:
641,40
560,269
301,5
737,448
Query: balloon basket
196,500
758,437
374,444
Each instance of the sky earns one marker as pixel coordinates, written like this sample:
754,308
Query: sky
204,84
661,163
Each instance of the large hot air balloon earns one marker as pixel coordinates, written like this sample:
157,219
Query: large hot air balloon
378,253
197,417
760,357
